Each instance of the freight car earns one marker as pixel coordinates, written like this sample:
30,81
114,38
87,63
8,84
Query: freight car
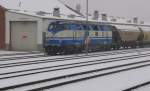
126,36
72,37
145,36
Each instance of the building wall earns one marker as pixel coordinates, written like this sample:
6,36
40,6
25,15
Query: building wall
42,26
2,28
12,16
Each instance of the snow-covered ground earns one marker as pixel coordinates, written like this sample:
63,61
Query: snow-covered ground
115,82
55,63
144,88
9,52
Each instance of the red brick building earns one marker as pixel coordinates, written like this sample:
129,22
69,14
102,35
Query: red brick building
2,27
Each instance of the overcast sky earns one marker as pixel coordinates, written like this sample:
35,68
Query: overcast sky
123,8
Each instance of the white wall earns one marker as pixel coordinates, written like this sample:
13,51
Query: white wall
11,16
42,25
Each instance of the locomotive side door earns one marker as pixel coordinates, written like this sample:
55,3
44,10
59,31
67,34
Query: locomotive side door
77,34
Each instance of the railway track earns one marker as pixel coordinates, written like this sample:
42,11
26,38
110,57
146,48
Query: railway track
73,78
39,68
13,54
61,66
22,57
138,86
79,76
48,60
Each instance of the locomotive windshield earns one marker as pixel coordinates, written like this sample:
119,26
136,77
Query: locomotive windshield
57,26
64,26
105,27
95,27
74,26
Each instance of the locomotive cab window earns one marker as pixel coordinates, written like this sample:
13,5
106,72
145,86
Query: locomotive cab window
105,27
51,26
61,27
74,27
78,27
86,27
95,27
57,26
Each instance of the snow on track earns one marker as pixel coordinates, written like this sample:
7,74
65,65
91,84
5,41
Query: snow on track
41,60
10,52
41,76
114,82
143,88
21,55
63,62
76,55
48,83
59,68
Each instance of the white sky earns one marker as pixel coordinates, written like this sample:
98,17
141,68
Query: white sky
123,8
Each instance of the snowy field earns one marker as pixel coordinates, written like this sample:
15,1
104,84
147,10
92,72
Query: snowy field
9,52
100,71
116,82
144,88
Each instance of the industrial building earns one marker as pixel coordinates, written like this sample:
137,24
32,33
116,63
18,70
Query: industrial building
24,28
2,27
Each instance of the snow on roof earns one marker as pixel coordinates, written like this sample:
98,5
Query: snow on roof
47,15
47,10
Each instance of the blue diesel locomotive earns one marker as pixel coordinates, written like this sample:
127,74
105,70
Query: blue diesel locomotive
72,37
68,37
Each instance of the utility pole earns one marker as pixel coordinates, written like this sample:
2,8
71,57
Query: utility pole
87,31
20,3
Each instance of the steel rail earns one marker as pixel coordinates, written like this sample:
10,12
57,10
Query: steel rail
140,65
71,65
62,59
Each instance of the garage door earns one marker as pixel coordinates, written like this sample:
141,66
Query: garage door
24,36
